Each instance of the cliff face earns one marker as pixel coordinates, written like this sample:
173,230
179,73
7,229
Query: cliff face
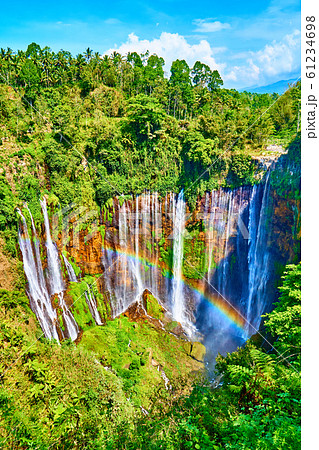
215,269
234,247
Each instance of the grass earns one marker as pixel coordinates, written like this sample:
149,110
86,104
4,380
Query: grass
134,351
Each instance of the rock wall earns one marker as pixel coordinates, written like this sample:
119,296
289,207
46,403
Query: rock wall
215,269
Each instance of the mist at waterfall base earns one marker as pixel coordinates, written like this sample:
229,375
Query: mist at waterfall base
243,275
224,306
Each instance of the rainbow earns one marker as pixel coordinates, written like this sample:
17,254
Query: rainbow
221,304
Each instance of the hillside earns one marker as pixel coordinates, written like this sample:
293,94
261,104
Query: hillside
279,87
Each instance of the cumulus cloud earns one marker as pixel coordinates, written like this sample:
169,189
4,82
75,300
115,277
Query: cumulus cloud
171,46
205,26
280,57
275,60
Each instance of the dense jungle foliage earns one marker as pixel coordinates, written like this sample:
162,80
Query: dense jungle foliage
108,125
61,396
83,129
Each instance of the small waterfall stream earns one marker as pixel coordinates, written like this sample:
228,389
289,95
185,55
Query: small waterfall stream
178,307
55,277
89,294
40,301
70,270
91,302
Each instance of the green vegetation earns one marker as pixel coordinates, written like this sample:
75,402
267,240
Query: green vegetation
153,308
89,396
194,263
87,128
80,307
137,353
285,321
281,179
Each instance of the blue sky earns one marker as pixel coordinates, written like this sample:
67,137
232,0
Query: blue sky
249,42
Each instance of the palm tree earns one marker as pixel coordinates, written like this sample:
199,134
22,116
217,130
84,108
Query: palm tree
88,54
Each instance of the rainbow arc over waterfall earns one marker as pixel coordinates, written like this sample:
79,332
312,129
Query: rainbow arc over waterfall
216,300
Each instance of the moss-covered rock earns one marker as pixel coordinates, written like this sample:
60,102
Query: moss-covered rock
153,308
137,351
195,349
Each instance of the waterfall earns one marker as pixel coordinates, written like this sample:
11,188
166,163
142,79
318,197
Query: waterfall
230,199
91,302
122,272
137,265
40,301
55,276
70,270
36,244
129,267
132,263
178,306
144,250
210,230
258,258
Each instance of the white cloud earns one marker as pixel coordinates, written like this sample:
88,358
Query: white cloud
59,23
204,26
171,46
280,57
245,75
275,60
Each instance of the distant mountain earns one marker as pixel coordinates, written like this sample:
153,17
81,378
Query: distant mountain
279,87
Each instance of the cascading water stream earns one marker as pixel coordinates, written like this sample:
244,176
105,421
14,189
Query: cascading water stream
128,275
40,301
89,294
228,226
36,244
137,262
178,306
91,302
70,270
141,257
55,276
258,258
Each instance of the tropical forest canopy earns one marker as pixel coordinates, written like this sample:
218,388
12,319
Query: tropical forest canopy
137,128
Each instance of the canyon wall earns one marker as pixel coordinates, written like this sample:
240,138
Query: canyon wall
215,269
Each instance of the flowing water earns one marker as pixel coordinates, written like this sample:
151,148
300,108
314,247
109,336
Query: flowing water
41,288
55,279
178,306
144,248
70,270
91,302
235,254
40,301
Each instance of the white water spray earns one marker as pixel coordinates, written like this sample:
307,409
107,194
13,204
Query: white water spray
55,276
178,306
40,301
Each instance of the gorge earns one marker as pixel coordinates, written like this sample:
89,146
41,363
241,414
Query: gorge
215,269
